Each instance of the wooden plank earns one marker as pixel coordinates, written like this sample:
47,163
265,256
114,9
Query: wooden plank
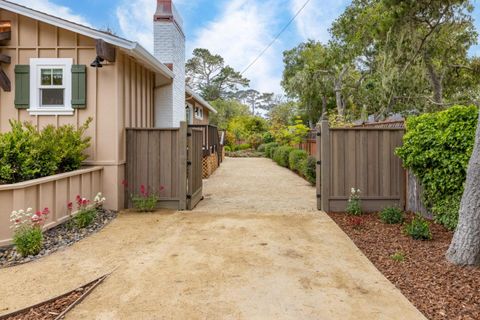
350,164
5,59
5,83
182,165
105,50
319,172
325,177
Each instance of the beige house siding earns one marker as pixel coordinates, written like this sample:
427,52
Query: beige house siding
119,95
205,119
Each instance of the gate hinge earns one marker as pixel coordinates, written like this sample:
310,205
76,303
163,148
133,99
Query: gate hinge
319,134
189,134
319,196
189,197
189,163
319,162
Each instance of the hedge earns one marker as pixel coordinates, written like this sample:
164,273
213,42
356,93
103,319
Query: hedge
295,159
268,149
308,168
437,148
281,155
26,153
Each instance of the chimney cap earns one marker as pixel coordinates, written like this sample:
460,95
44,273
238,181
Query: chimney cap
164,10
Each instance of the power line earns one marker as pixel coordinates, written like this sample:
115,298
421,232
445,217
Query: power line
276,37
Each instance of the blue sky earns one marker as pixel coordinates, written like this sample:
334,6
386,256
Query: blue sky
236,29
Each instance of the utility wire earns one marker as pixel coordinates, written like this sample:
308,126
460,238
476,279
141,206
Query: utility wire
276,37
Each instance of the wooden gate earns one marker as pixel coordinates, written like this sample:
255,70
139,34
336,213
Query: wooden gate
168,162
360,158
194,167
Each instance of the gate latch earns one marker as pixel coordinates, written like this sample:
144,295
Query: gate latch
319,162
189,163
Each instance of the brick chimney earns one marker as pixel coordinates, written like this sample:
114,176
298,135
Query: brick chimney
169,48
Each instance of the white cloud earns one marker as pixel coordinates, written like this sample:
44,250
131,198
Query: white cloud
49,7
241,31
316,19
135,19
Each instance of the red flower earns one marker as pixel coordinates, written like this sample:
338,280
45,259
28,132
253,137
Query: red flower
46,211
143,190
162,188
70,206
38,213
125,183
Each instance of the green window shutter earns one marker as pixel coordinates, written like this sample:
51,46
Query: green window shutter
79,86
22,86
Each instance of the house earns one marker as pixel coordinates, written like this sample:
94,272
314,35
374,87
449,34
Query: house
54,71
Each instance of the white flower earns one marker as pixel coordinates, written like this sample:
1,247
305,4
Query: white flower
353,190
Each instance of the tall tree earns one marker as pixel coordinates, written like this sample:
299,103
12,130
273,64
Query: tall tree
226,111
465,246
208,75
256,100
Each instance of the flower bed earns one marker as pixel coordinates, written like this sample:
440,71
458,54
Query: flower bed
54,192
57,238
419,269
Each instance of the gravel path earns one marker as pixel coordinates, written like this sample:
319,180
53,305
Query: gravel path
256,248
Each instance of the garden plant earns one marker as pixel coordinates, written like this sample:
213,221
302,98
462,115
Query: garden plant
354,205
28,230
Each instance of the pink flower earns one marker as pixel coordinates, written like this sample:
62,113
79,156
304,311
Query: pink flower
38,213
70,206
46,211
143,190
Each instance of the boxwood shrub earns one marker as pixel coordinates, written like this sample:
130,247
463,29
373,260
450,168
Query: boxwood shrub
282,155
269,148
295,160
27,153
437,148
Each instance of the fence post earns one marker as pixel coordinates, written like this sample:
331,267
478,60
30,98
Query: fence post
182,150
325,166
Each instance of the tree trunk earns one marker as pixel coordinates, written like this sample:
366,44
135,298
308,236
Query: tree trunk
338,83
465,246
436,81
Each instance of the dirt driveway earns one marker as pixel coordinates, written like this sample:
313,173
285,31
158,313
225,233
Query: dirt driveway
256,248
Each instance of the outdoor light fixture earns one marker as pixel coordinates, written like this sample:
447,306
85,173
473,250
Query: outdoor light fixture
97,63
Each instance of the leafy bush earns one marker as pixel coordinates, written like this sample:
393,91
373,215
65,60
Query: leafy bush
146,201
281,155
272,151
227,148
269,147
292,135
85,218
28,235
419,229
295,159
28,241
26,153
255,140
268,137
244,146
354,206
308,169
437,148
261,148
391,215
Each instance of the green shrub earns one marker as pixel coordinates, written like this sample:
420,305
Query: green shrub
261,148
269,147
255,140
28,241
272,151
295,159
84,217
391,215
282,155
419,229
227,149
268,137
26,153
437,148
244,146
308,169
145,201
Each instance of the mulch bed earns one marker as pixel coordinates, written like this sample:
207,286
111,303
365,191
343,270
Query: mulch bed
51,310
437,288
57,238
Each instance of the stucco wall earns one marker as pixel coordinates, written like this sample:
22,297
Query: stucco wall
118,95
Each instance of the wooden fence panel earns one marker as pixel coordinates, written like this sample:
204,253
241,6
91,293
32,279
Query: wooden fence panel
156,158
195,173
360,158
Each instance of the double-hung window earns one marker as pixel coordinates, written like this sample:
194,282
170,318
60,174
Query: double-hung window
51,86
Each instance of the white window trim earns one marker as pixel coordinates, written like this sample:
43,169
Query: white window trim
192,113
62,63
200,112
